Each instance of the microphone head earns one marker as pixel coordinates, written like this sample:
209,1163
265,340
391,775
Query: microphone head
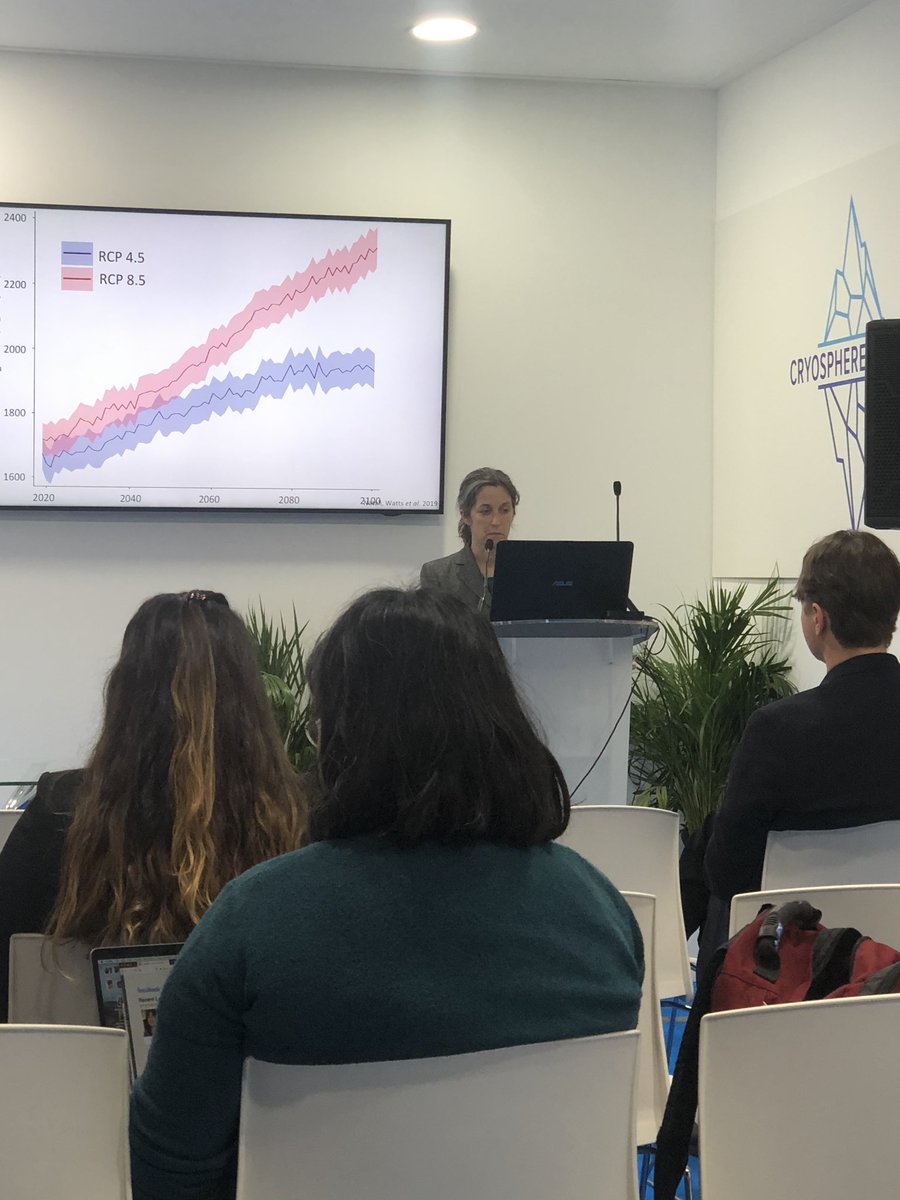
489,544
617,487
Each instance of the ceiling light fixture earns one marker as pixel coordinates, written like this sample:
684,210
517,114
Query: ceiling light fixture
444,29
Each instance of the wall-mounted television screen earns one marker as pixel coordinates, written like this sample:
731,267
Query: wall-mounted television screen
195,360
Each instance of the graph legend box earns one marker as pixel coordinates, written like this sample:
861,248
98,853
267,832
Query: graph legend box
77,274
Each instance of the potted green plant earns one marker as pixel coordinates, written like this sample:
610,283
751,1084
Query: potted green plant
724,656
282,663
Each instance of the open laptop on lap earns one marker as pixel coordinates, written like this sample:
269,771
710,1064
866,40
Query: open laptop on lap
128,981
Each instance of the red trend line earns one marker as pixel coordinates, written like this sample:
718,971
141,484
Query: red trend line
339,270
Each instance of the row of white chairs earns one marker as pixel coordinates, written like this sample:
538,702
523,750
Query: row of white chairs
797,1102
639,845
53,985
555,1119
636,848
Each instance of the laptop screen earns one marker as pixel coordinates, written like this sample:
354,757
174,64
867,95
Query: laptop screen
561,581
128,981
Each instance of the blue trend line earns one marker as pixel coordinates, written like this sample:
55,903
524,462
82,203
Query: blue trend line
235,394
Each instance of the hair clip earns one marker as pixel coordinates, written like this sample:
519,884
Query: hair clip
202,596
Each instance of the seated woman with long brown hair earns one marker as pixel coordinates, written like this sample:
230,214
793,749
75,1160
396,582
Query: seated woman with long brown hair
187,787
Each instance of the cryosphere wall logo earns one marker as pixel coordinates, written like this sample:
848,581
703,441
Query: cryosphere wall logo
838,368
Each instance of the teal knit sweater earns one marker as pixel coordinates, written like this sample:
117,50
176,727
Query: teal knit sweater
357,951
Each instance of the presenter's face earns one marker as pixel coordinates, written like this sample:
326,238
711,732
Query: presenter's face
491,517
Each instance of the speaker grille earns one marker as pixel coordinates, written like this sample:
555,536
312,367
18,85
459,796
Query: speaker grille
882,473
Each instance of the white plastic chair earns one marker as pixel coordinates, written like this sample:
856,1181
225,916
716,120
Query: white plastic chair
531,1122
817,857
637,849
652,1070
800,1101
50,985
872,908
63,1113
8,818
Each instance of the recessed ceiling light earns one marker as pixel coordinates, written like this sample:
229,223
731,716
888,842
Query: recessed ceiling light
444,29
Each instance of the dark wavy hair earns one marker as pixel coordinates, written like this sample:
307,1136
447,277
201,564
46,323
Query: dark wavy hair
188,785
855,578
421,733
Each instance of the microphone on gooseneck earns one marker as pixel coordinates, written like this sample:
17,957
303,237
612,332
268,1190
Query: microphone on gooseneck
489,546
632,612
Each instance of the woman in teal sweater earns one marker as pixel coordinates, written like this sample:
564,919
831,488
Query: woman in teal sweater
433,914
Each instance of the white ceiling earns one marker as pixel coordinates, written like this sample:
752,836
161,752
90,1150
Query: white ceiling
688,42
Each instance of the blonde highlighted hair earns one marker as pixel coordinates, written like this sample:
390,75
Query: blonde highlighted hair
188,785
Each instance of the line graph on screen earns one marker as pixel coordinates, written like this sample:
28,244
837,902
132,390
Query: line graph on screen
175,399
163,359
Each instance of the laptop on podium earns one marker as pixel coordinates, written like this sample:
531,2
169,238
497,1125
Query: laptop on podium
562,581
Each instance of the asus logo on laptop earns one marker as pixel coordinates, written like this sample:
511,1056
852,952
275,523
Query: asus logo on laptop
563,583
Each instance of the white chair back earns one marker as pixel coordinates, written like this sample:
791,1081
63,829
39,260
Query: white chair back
652,1070
800,1101
816,857
530,1122
63,1113
50,985
638,849
872,908
8,818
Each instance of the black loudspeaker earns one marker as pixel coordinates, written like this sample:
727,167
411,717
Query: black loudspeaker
882,477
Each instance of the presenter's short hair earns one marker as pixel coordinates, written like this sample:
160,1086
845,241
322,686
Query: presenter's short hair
468,494
421,734
855,577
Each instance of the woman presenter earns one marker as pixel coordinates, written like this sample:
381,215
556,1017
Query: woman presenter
487,503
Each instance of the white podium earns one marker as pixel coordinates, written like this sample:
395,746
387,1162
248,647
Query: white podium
576,678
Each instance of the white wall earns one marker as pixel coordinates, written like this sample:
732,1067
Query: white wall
797,139
829,102
580,335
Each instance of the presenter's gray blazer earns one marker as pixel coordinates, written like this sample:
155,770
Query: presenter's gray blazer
458,574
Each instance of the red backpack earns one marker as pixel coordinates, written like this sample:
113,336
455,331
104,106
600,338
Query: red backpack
784,955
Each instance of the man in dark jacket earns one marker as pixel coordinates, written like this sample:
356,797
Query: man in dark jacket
829,757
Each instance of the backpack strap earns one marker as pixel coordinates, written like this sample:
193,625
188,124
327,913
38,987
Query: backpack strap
674,1138
832,961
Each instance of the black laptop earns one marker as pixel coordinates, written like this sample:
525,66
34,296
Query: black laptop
561,581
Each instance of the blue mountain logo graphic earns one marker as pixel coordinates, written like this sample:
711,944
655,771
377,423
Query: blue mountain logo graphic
854,296
854,301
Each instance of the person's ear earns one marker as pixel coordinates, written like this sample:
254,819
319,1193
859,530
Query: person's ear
821,623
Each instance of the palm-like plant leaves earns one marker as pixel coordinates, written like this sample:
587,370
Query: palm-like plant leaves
282,664
724,659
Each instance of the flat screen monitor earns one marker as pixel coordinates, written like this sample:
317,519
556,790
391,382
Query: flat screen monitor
196,360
